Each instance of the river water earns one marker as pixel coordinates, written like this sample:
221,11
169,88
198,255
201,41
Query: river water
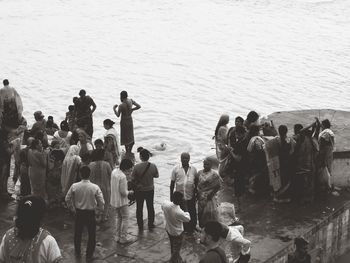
185,61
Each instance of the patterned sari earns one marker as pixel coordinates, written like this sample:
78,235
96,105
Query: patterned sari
209,183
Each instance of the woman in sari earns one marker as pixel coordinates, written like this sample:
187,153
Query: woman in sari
54,189
70,168
37,160
209,183
111,141
222,150
258,181
101,175
125,109
84,143
63,136
326,141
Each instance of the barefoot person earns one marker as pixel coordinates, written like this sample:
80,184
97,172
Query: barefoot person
83,112
125,109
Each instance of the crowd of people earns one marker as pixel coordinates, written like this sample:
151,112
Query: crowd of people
63,166
263,160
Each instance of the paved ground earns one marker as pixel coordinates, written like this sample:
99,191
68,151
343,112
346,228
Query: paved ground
268,226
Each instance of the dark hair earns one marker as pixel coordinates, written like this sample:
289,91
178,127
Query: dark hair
30,212
58,154
123,95
49,123
85,172
222,121
23,156
252,116
64,126
86,157
282,130
50,118
253,130
98,154
82,92
6,82
34,144
177,198
75,100
297,128
39,136
125,164
326,123
98,141
214,229
108,122
239,118
144,154
71,107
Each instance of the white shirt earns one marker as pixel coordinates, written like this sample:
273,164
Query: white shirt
174,217
184,182
49,252
85,196
119,189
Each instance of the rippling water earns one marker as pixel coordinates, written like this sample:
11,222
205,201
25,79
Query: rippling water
185,61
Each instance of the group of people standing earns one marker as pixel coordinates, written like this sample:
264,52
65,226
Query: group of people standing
264,160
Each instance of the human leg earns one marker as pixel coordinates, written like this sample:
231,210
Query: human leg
149,196
176,244
91,226
139,208
191,204
124,217
78,230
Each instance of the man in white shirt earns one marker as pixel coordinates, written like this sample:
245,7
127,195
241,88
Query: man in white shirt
184,178
174,218
83,198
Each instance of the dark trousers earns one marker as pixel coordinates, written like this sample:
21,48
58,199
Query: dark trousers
85,218
190,206
175,246
141,196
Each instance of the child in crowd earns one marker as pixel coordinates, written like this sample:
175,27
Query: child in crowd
70,117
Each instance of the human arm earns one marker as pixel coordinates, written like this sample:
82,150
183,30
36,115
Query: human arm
183,216
172,186
70,199
50,249
156,173
99,199
137,106
116,112
123,187
93,106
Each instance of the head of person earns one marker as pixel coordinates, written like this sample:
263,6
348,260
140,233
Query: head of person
36,145
240,132
253,117
126,166
49,123
75,100
6,82
86,158
301,245
64,126
82,93
207,164
297,128
50,118
144,154
38,115
55,144
30,212
98,154
185,159
224,120
326,124
108,123
85,172
239,121
29,141
211,233
71,108
82,136
98,144
178,198
58,155
254,130
123,95
283,130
